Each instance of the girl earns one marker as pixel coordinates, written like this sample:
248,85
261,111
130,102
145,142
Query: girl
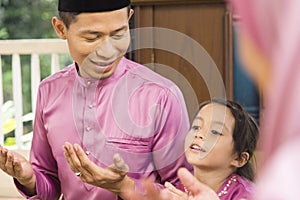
219,145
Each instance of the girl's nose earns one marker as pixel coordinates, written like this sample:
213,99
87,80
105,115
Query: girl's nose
200,135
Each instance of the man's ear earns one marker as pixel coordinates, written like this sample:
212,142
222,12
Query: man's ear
59,27
130,14
241,160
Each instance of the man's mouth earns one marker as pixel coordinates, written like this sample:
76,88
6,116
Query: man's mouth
101,64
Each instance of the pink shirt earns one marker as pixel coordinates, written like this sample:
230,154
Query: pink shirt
135,112
236,188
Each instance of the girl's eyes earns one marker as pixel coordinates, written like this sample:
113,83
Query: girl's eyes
216,132
196,128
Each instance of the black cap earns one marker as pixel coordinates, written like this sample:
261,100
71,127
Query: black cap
91,5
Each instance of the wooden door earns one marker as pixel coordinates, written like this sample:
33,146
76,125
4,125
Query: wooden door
207,24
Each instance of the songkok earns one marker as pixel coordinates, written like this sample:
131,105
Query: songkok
91,5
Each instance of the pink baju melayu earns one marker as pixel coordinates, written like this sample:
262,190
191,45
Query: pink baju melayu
135,112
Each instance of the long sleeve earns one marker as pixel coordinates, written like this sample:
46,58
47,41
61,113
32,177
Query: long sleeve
42,160
168,149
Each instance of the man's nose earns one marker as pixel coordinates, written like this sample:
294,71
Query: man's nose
106,50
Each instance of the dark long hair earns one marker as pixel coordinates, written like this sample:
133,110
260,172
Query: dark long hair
245,134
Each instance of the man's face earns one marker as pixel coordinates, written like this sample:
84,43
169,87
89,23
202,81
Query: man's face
97,41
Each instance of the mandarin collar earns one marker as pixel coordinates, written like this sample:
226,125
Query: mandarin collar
91,82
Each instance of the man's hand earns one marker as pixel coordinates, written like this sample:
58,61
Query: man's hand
197,190
174,193
113,178
18,167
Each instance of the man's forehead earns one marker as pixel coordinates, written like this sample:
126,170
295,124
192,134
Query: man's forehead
100,23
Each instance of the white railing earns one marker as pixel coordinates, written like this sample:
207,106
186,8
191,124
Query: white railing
35,48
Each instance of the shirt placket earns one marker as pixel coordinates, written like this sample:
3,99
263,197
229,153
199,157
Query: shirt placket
90,122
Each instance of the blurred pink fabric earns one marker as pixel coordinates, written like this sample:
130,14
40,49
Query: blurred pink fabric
274,26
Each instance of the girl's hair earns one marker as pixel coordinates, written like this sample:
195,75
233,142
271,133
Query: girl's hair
69,17
245,134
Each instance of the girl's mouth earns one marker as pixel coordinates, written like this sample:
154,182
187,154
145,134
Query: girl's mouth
197,148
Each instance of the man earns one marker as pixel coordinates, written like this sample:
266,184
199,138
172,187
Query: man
101,106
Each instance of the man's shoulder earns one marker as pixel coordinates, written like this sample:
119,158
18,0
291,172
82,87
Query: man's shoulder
60,76
147,74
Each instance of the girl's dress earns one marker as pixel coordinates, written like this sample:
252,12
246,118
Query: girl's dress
235,188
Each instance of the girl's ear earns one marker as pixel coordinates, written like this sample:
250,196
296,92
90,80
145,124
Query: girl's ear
241,160
59,27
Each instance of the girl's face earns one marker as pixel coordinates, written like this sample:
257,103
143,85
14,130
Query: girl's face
214,124
97,41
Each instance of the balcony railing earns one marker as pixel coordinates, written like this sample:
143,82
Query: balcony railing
34,48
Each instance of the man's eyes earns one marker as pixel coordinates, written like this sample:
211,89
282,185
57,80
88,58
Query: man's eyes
115,37
91,39
118,36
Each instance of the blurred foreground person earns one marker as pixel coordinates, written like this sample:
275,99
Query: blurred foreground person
269,38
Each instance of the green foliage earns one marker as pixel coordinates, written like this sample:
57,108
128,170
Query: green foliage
3,33
26,19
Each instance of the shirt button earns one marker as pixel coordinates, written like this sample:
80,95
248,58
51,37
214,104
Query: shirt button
91,106
88,82
87,153
88,128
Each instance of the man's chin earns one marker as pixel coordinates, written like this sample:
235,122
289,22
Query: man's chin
106,69
107,73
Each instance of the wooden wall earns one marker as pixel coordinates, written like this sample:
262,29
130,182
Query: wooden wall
208,23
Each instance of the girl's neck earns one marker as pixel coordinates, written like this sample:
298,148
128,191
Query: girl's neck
213,178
